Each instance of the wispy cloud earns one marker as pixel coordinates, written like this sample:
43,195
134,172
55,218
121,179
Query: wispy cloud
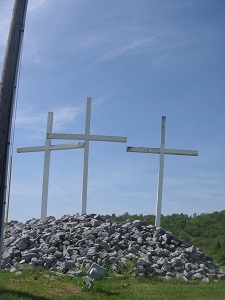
121,50
6,8
65,115
36,122
4,31
34,55
34,5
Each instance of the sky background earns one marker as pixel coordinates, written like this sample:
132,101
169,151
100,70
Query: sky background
139,60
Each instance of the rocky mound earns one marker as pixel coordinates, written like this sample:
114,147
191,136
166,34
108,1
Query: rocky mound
78,241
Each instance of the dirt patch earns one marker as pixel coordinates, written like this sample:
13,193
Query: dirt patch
67,291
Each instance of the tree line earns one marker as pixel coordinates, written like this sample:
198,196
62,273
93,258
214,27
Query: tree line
206,231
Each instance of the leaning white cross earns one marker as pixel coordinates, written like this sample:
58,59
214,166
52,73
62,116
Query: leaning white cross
161,151
87,137
47,149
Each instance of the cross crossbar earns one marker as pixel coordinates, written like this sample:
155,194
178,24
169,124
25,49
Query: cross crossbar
51,148
165,151
96,138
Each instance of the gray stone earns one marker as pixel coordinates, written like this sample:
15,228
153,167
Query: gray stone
95,222
32,245
188,274
77,273
52,249
167,267
34,260
176,262
191,249
221,276
48,260
58,254
18,273
78,241
12,270
124,261
197,276
6,257
143,262
189,266
161,261
9,241
205,279
140,240
167,277
161,252
136,223
201,271
91,252
112,259
103,254
23,245
40,262
27,256
111,254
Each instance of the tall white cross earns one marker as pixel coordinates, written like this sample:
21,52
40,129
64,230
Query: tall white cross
87,137
161,151
47,149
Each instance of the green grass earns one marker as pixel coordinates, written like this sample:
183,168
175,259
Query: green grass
36,284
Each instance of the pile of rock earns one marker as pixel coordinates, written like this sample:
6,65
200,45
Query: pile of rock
75,242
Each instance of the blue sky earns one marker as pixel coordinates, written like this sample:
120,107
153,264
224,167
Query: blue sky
138,60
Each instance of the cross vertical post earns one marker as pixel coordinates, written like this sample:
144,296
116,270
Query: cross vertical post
161,151
86,157
47,149
44,202
161,171
86,137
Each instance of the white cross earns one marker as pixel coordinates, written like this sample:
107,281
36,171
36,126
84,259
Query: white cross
86,137
161,151
47,149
